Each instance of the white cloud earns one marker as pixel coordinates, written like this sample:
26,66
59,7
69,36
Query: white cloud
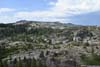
52,3
77,6
40,16
59,9
3,10
63,8
7,19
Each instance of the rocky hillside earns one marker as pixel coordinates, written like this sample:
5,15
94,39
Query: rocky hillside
53,43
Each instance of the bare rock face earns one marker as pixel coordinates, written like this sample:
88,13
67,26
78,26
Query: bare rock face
59,58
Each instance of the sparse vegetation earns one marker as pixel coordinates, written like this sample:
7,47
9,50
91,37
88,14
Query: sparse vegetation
46,41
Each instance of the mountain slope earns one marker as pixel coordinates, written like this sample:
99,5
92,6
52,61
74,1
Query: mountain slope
50,42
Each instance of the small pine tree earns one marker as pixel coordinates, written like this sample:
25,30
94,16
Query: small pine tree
34,62
5,63
19,63
41,54
1,64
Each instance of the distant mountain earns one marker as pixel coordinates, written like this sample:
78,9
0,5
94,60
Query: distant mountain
58,24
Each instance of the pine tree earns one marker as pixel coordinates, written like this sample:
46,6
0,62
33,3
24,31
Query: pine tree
5,63
19,63
34,62
15,62
1,64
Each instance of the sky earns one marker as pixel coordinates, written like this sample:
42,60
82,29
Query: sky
85,12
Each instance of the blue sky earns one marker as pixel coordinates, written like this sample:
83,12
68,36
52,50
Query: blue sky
86,12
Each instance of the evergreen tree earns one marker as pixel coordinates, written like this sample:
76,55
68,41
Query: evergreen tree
34,62
5,63
2,52
1,64
20,62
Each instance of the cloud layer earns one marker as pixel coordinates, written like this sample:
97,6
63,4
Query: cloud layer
60,10
4,10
